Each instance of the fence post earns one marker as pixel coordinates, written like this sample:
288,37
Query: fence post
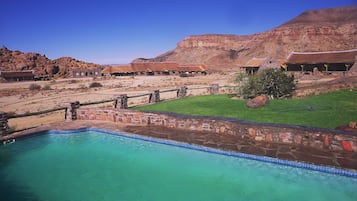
121,101
71,110
154,97
181,92
214,89
4,126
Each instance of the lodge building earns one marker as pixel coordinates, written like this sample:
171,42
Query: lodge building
25,75
329,61
155,68
87,72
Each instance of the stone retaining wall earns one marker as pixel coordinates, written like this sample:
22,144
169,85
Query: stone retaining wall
299,135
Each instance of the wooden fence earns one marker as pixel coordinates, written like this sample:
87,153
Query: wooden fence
120,101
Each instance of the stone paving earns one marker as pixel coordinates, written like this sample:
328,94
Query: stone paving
340,159
232,143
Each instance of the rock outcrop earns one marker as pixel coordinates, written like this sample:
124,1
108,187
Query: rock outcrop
257,102
318,30
18,61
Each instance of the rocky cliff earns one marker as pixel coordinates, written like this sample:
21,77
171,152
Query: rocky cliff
42,66
316,30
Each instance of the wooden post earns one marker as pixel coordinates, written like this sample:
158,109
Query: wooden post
326,66
181,92
71,111
4,126
121,101
214,89
154,97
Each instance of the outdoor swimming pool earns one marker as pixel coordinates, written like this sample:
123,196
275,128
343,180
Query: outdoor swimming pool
91,165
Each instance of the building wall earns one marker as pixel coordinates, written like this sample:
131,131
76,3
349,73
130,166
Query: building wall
305,136
87,73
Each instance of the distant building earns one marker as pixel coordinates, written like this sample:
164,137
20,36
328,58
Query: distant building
118,70
87,72
17,75
155,68
253,65
329,61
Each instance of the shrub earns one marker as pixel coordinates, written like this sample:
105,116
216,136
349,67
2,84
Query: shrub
271,82
95,84
73,81
46,87
33,87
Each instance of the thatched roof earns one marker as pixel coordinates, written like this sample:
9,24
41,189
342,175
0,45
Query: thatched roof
254,62
118,69
345,56
192,68
154,67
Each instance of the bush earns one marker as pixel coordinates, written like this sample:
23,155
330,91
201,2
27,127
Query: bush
95,84
73,81
33,87
271,82
46,87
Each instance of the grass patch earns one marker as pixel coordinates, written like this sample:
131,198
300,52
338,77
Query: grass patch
325,111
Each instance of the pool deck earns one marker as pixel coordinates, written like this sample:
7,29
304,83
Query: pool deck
338,159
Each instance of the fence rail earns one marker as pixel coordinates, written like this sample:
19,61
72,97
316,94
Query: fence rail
13,116
119,101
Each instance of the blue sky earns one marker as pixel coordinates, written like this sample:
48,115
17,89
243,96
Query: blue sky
116,32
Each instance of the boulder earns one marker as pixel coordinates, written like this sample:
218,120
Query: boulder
350,127
257,102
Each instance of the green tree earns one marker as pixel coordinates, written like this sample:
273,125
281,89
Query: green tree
271,82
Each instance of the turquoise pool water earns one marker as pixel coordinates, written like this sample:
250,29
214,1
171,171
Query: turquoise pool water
95,166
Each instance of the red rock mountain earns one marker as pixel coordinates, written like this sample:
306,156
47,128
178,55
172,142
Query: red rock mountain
42,66
315,30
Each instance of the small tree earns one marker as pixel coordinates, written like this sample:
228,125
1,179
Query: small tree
276,83
33,87
95,84
271,82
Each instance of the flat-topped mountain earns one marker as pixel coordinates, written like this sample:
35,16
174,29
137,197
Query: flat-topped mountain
315,30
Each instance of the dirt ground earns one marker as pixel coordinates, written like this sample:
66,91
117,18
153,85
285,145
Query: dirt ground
17,98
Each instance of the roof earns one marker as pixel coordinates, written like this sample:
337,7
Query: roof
118,69
254,62
14,74
192,67
345,56
153,66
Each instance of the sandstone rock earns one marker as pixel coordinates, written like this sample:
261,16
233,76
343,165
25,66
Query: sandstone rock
251,133
42,66
347,146
318,30
350,127
352,124
257,102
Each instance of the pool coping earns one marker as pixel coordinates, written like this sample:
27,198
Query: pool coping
295,164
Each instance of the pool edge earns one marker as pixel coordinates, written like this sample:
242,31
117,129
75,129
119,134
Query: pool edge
296,164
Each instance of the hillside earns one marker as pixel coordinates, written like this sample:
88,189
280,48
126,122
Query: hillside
315,30
16,61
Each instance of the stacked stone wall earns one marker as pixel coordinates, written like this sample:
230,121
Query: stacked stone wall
275,133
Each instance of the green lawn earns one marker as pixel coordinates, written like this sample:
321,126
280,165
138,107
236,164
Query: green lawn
325,111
